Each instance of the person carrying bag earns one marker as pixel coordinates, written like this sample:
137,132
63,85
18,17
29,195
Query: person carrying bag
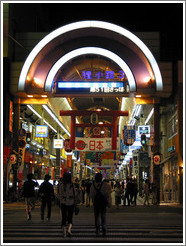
101,196
67,196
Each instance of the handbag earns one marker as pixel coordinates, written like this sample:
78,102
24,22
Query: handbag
76,210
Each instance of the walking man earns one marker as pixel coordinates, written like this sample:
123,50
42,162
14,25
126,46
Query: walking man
101,196
46,192
29,194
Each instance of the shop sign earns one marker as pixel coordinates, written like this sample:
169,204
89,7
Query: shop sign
41,131
157,159
129,135
95,144
58,143
13,159
10,116
144,130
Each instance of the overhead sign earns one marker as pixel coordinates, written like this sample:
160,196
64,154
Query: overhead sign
58,143
107,75
84,87
95,144
144,130
129,135
41,131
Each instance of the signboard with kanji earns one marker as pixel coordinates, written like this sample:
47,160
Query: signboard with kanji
129,135
95,144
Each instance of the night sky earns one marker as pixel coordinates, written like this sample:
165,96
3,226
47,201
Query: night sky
166,18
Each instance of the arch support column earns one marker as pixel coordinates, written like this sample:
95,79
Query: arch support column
156,168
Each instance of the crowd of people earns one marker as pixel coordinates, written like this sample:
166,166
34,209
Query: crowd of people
96,193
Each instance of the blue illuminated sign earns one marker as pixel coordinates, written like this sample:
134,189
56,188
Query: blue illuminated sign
62,85
88,75
100,87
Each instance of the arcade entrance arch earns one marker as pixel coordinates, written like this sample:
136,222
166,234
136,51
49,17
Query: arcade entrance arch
83,56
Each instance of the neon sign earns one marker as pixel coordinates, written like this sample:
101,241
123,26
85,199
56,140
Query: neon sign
88,75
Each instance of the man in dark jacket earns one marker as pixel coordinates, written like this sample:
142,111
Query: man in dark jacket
29,194
46,192
100,193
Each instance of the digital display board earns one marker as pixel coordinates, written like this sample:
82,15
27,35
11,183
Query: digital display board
100,87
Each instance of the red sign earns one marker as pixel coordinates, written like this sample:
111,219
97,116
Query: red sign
80,144
156,159
67,144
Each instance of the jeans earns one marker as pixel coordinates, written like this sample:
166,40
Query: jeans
97,212
67,214
45,202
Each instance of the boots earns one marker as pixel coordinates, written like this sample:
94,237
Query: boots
69,230
64,231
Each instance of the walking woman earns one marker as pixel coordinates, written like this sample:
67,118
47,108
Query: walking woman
67,196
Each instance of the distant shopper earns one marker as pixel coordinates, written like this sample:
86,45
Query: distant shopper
83,191
29,193
146,192
87,190
46,192
128,192
154,194
134,191
101,196
118,194
68,196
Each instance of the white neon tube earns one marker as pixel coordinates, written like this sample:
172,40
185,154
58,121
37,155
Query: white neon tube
39,116
149,116
89,24
90,50
55,118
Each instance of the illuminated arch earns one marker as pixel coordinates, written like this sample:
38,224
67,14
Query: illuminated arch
90,50
90,24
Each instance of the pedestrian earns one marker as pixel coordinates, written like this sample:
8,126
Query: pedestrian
128,192
28,192
101,196
134,192
46,192
118,194
87,190
83,191
68,197
146,192
154,194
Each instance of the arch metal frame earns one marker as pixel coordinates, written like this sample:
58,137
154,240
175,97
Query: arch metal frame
89,50
90,24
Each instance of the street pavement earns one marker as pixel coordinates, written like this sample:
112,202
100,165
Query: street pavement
129,224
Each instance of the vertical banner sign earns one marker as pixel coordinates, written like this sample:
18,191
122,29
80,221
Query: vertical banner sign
129,135
21,152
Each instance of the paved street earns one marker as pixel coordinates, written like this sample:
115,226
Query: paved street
140,224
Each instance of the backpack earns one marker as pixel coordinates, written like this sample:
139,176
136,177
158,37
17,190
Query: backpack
99,199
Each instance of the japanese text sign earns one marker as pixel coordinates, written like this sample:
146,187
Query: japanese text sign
95,144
